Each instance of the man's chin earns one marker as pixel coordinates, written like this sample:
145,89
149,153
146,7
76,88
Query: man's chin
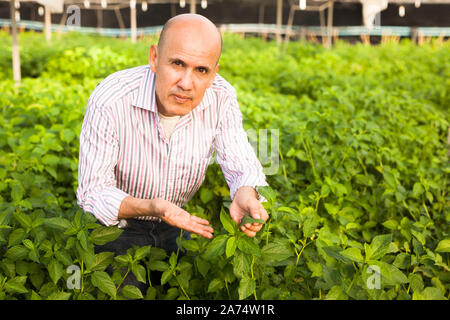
177,110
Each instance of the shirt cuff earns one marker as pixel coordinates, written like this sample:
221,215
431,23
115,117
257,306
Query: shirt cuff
106,205
260,198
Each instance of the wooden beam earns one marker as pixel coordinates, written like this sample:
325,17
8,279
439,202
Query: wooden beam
261,13
133,23
119,18
15,45
62,22
99,13
289,24
48,24
193,6
279,20
330,23
173,9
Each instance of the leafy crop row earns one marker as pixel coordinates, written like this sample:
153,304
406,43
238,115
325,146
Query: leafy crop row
359,206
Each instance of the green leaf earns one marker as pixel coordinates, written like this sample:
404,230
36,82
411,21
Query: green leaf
354,254
142,252
132,292
443,246
158,265
64,257
206,195
248,245
417,190
246,287
315,268
103,235
385,269
241,264
57,223
67,135
203,266
231,247
429,293
139,272
390,224
55,270
336,293
166,275
379,246
16,285
101,261
276,252
157,254
16,253
17,192
310,225
267,192
102,280
227,222
191,245
82,236
248,219
59,295
416,282
216,247
215,285
334,252
24,220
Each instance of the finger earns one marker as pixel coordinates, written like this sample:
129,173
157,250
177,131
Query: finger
253,227
250,233
205,233
264,214
203,230
199,220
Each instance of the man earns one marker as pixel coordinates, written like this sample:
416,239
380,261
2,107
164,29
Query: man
149,133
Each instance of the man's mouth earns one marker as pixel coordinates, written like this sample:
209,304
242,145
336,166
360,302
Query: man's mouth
181,98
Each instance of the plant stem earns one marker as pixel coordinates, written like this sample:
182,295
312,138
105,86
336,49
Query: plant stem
426,210
228,291
82,272
406,206
182,289
123,279
253,276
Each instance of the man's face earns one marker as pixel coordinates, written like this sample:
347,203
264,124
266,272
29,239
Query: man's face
185,66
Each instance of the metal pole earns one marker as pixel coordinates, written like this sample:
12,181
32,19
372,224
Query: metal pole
15,45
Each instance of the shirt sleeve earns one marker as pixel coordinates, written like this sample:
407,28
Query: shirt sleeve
234,153
99,146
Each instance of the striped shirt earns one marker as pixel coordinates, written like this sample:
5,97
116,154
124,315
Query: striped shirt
124,152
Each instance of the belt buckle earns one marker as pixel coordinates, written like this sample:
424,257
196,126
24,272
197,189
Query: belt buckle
122,224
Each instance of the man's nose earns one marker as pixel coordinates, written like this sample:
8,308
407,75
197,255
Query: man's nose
186,81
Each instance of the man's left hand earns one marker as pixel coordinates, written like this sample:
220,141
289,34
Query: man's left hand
245,202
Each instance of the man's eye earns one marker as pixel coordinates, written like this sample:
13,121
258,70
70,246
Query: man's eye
178,63
202,70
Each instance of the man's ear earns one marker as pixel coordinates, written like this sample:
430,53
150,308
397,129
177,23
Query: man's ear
153,57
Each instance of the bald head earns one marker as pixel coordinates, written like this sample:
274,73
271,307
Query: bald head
184,27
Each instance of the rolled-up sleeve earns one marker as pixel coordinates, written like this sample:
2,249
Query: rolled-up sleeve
99,146
234,153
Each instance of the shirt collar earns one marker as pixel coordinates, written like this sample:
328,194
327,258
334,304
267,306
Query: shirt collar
146,98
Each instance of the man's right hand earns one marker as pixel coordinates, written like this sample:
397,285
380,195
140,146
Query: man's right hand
177,217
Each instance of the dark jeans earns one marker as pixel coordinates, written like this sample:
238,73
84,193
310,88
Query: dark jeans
143,233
